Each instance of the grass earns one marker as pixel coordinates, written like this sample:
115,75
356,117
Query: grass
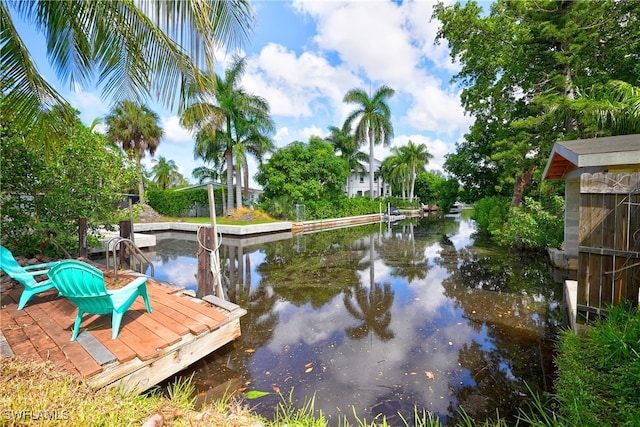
37,392
599,374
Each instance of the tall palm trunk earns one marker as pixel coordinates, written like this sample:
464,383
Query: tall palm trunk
140,179
371,164
224,201
238,179
245,170
229,156
412,180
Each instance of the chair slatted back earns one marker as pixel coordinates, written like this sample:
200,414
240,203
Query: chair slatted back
83,285
10,266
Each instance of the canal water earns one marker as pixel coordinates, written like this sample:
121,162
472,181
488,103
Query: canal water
380,320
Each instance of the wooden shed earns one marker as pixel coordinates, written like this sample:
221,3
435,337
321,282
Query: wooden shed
602,217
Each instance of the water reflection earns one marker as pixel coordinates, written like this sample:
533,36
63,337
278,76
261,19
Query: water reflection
382,319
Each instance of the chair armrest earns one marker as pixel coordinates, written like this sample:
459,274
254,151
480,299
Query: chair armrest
45,265
33,273
29,275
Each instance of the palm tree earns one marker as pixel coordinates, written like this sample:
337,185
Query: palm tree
344,142
204,173
395,171
210,148
373,118
228,114
134,48
135,128
165,173
256,141
416,158
615,108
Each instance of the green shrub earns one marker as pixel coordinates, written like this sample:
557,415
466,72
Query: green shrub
43,198
491,213
533,226
175,203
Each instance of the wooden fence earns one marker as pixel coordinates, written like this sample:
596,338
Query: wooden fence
609,241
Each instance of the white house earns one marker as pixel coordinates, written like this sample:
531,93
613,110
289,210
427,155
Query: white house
358,183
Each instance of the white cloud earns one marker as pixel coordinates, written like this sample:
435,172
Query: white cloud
393,44
297,86
90,105
418,15
368,37
435,110
174,132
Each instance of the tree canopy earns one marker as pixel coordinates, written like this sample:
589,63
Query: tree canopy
136,129
524,66
303,173
42,200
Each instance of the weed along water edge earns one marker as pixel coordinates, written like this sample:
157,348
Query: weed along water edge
381,319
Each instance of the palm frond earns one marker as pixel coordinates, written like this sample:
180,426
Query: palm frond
25,93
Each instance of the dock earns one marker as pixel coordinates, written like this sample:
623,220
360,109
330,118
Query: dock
150,348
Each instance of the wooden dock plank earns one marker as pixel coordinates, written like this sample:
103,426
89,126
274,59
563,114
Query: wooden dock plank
10,299
143,350
40,339
192,310
205,309
76,354
219,302
26,347
169,323
167,336
150,346
166,306
137,326
14,335
119,348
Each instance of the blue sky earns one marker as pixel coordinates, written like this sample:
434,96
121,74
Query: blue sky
303,57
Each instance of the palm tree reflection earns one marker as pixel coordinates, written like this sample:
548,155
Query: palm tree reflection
371,307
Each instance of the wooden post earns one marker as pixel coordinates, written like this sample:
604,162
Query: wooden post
205,278
215,259
82,237
131,218
125,232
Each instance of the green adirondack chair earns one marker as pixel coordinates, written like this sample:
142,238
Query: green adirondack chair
25,275
84,286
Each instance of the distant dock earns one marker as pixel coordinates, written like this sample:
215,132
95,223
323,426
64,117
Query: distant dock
150,348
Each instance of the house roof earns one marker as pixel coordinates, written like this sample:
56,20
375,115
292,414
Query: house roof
567,156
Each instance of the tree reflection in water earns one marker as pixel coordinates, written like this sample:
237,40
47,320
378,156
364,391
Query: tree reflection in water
383,318
372,309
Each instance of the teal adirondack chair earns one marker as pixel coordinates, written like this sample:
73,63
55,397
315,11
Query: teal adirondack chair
25,275
84,286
